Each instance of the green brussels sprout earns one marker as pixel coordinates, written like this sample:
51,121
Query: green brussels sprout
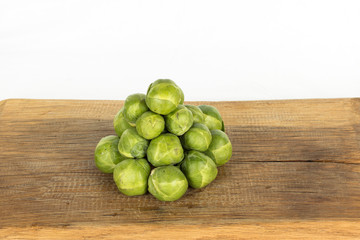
132,145
197,138
220,149
179,121
164,150
107,154
199,169
212,117
134,106
182,97
163,96
150,125
131,176
120,123
197,113
167,183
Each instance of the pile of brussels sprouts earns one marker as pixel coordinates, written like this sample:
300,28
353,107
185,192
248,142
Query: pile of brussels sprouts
162,146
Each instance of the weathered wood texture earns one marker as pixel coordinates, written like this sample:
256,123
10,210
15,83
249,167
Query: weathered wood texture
295,173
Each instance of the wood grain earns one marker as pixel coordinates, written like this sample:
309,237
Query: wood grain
317,230
295,173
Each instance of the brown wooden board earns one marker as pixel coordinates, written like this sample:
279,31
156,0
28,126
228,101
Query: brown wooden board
295,173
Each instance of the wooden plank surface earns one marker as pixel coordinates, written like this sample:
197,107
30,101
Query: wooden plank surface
295,173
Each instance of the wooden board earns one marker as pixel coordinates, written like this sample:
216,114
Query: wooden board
294,174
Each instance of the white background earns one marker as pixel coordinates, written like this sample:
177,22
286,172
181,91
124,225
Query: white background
214,50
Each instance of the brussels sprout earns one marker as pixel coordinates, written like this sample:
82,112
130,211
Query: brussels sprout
212,117
150,125
132,145
131,176
163,96
107,154
182,97
120,124
164,150
199,169
167,183
220,149
179,121
197,138
197,113
134,106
